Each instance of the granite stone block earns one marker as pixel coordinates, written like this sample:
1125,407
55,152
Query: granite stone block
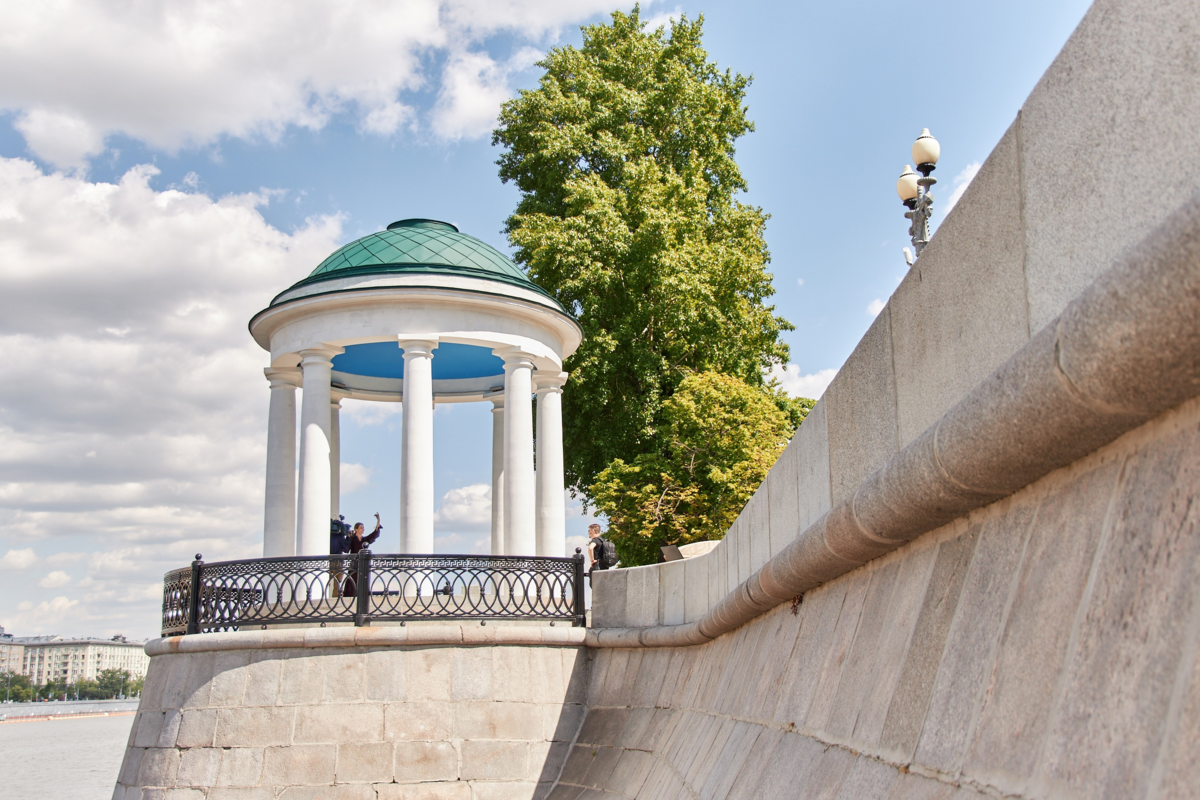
758,510
867,778
971,643
303,677
454,790
198,767
695,588
240,766
491,760
858,673
630,773
961,310
197,727
783,498
511,671
641,596
1124,90
344,678
385,675
741,538
429,761
429,675
472,673
1020,694
860,406
819,615
1134,629
262,681
671,592
494,720
251,727
404,722
364,762
906,712
838,649
915,567
344,722
609,589
158,767
814,492
229,678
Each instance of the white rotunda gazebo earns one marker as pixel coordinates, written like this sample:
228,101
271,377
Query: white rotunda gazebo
419,314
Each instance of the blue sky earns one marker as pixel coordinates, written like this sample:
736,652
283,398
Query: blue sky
165,170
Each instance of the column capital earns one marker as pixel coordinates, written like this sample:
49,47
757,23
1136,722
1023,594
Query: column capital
320,354
283,377
515,358
545,381
496,398
418,347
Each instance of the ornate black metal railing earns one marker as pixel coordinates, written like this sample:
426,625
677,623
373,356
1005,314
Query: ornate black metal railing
228,595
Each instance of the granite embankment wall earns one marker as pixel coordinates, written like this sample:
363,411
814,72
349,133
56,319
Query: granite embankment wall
991,514
454,712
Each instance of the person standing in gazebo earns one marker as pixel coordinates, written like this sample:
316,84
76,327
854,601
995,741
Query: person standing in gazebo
357,542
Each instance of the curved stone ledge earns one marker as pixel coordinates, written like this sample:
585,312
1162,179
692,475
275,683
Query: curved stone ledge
390,636
1124,351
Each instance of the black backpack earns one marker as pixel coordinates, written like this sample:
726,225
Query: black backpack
606,553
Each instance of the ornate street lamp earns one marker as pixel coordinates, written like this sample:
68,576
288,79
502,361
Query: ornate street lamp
914,192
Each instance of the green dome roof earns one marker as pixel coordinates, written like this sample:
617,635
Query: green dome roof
421,246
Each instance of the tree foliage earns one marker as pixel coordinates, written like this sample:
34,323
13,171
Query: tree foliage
721,437
624,158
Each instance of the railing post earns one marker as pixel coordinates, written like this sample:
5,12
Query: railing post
580,610
193,618
362,589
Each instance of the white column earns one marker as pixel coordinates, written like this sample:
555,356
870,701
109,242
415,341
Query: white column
279,515
335,457
312,528
497,474
551,507
520,535
416,449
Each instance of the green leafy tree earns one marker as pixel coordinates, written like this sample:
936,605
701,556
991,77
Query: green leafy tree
16,687
112,682
628,216
721,437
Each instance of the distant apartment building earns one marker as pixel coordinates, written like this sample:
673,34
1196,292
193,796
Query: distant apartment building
46,658
11,653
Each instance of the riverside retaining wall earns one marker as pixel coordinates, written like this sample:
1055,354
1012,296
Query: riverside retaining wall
423,712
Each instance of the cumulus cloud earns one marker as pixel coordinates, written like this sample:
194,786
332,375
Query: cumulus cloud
875,306
961,181
185,74
132,402
811,386
55,580
353,476
37,617
466,507
16,560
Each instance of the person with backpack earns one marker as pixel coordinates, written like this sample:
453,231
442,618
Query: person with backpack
602,553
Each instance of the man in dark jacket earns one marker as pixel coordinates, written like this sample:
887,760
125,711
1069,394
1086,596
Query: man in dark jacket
339,543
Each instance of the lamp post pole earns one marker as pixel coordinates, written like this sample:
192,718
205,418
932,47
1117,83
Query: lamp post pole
914,192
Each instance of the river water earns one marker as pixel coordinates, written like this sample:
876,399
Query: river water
65,759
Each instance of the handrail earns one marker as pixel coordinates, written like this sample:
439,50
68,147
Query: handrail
366,587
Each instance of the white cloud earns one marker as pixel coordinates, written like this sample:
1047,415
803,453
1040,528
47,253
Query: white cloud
811,386
353,476
141,421
875,306
55,580
17,560
961,181
187,74
365,412
38,617
664,19
466,507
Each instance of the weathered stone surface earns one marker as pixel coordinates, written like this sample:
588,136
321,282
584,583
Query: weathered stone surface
860,406
609,589
428,761
814,491
971,643
1132,633
252,727
364,762
671,592
1123,91
240,766
262,680
417,722
344,678
493,760
385,675
953,324
457,790
1019,699
858,674
229,678
340,722
838,648
758,518
429,675
199,767
303,677
299,765
695,588
906,713
493,720
472,673
783,497
641,596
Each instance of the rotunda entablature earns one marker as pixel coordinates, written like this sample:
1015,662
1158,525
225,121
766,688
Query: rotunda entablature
474,306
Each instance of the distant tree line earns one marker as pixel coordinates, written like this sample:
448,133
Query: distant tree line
111,683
